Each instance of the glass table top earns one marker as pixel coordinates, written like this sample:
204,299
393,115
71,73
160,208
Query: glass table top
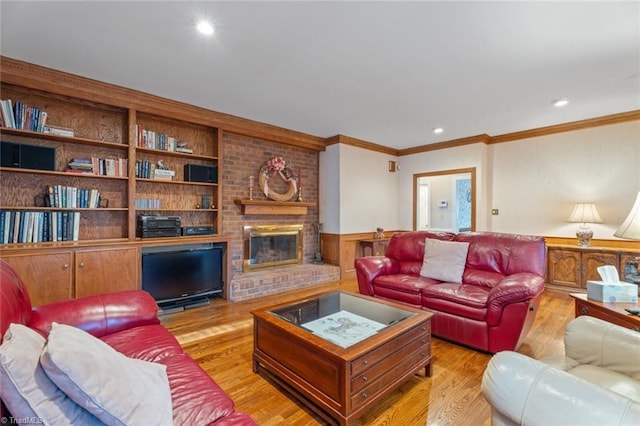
341,318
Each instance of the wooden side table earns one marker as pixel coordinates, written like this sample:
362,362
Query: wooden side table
376,246
611,312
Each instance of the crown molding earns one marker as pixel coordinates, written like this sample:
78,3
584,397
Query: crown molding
483,138
605,120
347,140
37,77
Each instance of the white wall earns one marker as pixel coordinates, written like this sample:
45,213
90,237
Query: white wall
362,194
533,182
329,189
445,159
536,182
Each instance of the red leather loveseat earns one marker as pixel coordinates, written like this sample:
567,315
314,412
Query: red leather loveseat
127,322
494,306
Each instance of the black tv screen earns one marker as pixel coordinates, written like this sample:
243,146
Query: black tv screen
173,274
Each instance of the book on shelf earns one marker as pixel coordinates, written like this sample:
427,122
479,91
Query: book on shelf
62,196
160,141
7,113
59,131
109,166
162,174
80,165
38,226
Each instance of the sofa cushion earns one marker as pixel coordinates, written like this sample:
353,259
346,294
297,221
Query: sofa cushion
409,246
149,343
444,260
96,376
505,254
469,301
609,379
409,284
196,397
26,389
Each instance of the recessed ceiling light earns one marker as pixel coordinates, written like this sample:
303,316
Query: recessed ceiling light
438,130
560,102
205,27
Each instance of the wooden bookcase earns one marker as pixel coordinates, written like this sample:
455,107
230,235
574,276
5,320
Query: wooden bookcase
105,119
107,245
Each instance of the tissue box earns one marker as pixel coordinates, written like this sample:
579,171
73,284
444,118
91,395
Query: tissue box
612,292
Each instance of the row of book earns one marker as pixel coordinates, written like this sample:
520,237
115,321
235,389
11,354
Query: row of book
148,203
148,170
38,226
63,196
22,116
158,140
99,166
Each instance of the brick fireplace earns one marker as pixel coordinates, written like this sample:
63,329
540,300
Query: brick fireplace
243,157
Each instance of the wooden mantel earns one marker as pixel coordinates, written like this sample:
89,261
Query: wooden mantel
273,207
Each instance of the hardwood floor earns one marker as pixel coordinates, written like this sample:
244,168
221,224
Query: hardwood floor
220,338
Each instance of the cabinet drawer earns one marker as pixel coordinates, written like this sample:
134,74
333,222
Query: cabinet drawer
394,373
420,344
368,360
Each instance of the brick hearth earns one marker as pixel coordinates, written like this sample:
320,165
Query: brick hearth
250,285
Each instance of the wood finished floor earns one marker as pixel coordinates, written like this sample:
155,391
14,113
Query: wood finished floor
220,338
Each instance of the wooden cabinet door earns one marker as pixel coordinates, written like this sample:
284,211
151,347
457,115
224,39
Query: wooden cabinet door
47,276
106,270
591,262
622,267
565,266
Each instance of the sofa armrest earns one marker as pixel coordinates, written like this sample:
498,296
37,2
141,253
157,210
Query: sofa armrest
522,390
100,314
370,267
520,287
590,340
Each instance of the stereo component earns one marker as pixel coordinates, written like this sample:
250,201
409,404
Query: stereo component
25,156
198,230
200,173
158,226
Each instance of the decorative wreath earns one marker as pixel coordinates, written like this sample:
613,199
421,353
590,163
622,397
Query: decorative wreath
277,166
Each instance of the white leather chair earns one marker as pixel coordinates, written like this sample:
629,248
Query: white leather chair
596,382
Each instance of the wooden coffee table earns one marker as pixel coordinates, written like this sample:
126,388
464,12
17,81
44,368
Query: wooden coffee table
339,352
611,312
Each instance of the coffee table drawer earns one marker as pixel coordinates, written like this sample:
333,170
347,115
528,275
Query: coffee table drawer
393,373
420,332
363,379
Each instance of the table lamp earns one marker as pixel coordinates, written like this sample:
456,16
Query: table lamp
584,213
630,229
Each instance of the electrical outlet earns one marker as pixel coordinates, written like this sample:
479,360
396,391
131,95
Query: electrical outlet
495,212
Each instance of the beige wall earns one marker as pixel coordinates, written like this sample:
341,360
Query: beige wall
533,182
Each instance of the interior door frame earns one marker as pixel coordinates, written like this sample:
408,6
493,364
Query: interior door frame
470,170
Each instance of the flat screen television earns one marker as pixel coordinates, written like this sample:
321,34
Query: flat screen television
180,274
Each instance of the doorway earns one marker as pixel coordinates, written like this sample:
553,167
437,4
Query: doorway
445,200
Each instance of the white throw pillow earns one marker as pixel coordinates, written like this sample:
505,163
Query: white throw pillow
116,389
444,260
26,389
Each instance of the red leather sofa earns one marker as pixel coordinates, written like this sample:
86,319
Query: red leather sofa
128,322
494,306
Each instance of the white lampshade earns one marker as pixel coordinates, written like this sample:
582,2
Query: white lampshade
585,213
630,228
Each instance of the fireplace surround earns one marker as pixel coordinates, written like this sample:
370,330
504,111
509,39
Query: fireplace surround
269,246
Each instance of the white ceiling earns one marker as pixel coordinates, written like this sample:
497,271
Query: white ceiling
384,72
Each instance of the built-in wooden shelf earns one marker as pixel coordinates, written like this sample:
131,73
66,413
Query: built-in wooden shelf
273,207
